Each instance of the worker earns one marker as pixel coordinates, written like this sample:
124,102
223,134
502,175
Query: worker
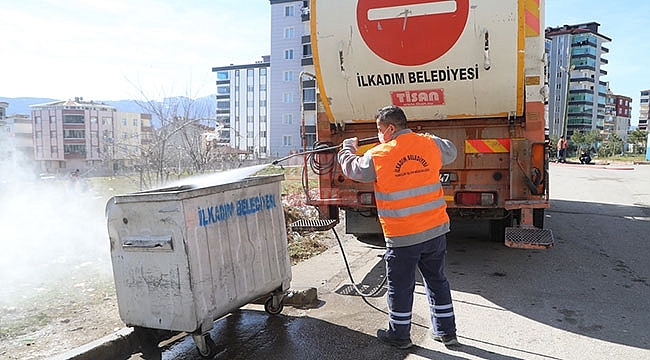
411,206
561,149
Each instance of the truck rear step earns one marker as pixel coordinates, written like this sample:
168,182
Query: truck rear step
313,225
528,238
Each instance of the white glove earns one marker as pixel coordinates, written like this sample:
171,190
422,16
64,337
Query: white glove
351,144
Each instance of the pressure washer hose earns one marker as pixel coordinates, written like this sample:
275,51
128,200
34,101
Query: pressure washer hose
365,296
347,267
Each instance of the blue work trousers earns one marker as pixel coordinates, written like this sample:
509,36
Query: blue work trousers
401,264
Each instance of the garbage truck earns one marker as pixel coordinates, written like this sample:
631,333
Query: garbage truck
467,70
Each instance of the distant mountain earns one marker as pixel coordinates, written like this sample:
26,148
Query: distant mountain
21,105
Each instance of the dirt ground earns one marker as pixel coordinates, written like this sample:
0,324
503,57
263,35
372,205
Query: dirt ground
81,306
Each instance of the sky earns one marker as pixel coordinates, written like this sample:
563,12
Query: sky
114,50
119,49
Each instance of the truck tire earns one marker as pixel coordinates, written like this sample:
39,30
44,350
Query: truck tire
498,229
538,218
372,239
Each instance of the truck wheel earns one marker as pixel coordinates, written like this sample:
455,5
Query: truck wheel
498,229
538,218
372,239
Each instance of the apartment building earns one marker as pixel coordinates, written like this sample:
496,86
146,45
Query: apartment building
85,135
243,108
268,108
19,128
644,112
577,90
623,116
4,132
16,146
293,94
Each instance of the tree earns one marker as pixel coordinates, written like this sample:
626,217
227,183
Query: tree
174,144
592,139
638,138
613,146
577,140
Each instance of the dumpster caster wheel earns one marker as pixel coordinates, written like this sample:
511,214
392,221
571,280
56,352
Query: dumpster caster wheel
273,310
205,345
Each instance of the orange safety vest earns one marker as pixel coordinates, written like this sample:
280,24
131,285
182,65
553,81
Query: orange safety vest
408,193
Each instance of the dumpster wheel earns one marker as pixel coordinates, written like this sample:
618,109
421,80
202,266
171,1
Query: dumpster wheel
273,309
205,345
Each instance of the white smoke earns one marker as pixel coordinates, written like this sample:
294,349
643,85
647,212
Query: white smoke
49,228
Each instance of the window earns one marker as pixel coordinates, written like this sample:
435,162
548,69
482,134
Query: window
37,119
306,50
124,122
223,75
52,119
106,120
93,119
289,33
286,140
135,122
288,75
287,119
223,90
74,149
309,95
287,98
289,10
73,119
53,134
223,105
288,54
74,134
250,119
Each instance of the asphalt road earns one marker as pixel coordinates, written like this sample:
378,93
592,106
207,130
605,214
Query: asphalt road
586,298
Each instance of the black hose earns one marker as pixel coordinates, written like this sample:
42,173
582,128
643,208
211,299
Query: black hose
347,267
314,159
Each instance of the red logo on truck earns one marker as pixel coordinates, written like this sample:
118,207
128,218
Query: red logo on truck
411,32
418,97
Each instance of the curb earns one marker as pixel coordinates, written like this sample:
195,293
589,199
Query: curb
106,348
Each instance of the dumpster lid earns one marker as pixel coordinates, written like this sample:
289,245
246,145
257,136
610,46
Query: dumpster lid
193,189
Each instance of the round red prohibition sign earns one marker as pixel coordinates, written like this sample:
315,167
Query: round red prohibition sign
411,32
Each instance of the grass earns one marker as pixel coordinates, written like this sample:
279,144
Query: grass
625,158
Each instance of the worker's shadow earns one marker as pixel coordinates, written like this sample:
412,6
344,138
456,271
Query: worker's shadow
374,283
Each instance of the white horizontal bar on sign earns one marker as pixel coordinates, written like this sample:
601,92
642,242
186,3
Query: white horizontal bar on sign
400,11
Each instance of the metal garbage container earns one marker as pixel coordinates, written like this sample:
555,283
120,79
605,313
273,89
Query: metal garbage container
187,255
